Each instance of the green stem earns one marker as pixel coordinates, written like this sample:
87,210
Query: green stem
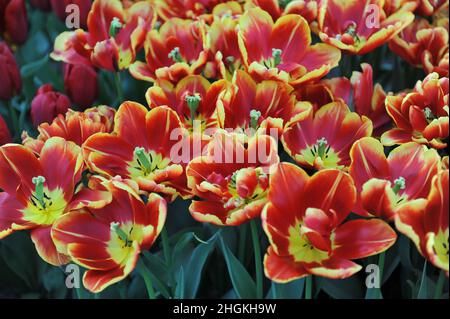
119,89
381,262
308,289
258,261
423,288
14,120
142,269
166,246
439,285
242,243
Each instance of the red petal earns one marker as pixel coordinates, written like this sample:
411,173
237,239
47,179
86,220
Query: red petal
46,248
282,269
362,238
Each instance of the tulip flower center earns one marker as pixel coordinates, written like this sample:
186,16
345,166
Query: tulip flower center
441,246
149,162
399,184
429,114
115,27
44,206
175,55
302,249
321,148
193,102
275,60
258,192
39,194
254,118
123,236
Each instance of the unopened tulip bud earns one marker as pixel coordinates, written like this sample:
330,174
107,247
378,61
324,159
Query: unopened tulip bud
47,104
80,83
11,83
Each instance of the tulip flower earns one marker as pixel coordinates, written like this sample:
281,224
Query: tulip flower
392,6
9,73
5,135
323,139
59,8
38,191
185,9
231,180
249,105
142,148
283,50
304,221
47,104
174,51
384,183
425,222
428,7
113,38
194,98
107,240
224,48
421,45
73,126
306,8
359,27
80,83
367,98
420,116
13,21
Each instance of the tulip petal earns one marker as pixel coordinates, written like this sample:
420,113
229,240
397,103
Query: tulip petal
46,248
362,238
282,269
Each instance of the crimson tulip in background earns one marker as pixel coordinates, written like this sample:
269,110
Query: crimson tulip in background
224,149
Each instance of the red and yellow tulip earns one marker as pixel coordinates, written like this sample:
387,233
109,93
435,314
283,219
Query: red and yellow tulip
420,116
141,148
186,9
422,45
367,98
194,98
177,49
425,222
259,106
231,180
358,27
38,191
306,8
304,221
323,138
74,126
108,240
283,50
225,56
384,183
114,35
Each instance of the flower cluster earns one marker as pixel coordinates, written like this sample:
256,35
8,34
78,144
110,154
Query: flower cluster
246,119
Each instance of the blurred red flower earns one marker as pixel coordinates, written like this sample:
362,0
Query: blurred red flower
47,104
9,73
80,83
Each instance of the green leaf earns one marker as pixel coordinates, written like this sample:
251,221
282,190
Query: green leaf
196,264
179,291
158,274
33,67
404,244
423,289
241,280
54,282
350,288
292,290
